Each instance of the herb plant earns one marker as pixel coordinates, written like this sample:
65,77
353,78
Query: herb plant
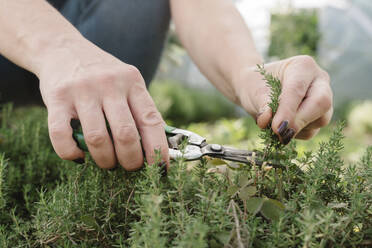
311,201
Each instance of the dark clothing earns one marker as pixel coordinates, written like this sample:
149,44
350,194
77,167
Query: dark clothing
132,30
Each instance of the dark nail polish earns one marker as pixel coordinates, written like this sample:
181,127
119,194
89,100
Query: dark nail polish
288,136
163,169
283,128
79,160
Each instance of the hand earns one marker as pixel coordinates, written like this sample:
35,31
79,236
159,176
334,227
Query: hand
305,102
80,81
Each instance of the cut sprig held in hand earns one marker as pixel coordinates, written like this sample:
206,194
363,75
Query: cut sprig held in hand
270,139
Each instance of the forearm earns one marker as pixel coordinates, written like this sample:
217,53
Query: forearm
217,39
29,29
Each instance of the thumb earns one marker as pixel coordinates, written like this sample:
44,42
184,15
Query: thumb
260,101
264,116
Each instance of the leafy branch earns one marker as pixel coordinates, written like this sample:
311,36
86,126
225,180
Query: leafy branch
270,139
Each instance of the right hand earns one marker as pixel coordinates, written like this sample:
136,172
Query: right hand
80,81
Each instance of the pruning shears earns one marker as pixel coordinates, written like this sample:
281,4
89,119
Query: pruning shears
190,146
196,147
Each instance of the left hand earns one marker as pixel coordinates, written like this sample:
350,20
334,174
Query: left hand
305,102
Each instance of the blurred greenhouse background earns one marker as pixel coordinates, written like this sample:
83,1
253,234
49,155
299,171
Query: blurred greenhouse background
337,33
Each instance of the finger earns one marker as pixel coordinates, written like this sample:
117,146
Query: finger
318,103
294,88
322,121
60,132
264,117
149,123
124,132
96,135
307,133
262,99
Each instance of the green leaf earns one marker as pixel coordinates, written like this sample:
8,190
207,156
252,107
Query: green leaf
234,166
244,181
254,205
247,192
223,237
217,161
272,209
89,221
232,190
252,190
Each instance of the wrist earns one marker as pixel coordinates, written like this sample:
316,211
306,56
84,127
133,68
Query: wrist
48,50
244,81
238,66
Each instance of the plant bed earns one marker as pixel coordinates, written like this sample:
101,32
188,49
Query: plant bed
47,202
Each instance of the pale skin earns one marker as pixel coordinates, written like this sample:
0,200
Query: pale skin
78,80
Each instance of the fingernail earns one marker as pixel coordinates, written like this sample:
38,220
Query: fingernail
163,168
258,115
288,136
263,110
283,128
79,160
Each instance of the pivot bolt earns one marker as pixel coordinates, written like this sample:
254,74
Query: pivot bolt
216,147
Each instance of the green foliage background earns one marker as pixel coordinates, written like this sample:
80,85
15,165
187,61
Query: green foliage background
294,33
180,104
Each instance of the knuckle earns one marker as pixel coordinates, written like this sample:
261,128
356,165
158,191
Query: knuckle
108,77
60,91
324,100
133,74
298,89
307,60
95,137
57,131
82,84
325,75
90,82
126,134
150,117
